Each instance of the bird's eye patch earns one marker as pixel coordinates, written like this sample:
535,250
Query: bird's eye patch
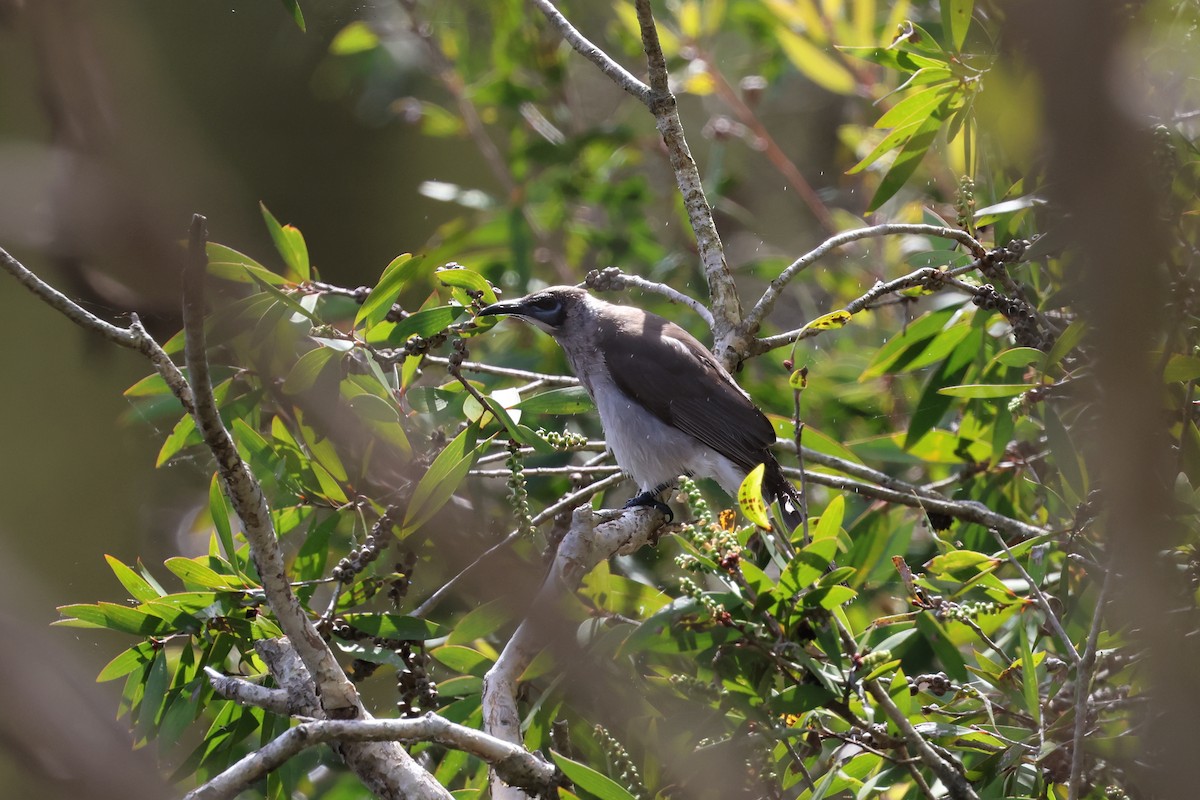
545,304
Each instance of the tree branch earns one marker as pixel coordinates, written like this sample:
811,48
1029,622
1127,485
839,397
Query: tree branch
612,278
580,43
773,291
512,763
585,545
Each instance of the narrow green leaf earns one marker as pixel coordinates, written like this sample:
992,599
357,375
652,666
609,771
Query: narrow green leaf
1029,680
830,521
916,336
956,20
914,108
425,323
567,400
293,8
290,244
750,498
986,390
308,369
391,283
1066,456
284,298
112,616
227,263
590,780
1066,343
153,695
441,479
908,160
814,63
137,586
465,660
331,490
193,572
931,405
130,660
393,626
183,434
1018,357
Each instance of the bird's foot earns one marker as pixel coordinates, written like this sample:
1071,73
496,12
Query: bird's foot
651,499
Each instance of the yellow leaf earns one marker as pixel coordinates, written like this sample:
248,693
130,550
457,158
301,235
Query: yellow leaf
750,498
821,68
827,322
689,19
700,83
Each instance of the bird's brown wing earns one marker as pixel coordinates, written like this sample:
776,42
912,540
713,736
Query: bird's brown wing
665,369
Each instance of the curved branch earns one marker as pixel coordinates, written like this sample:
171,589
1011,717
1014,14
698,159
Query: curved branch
582,45
614,278
512,763
775,288
585,545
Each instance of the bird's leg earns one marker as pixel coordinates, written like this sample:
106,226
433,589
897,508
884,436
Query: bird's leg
650,498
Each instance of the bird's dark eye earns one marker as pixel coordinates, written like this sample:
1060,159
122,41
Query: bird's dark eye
546,304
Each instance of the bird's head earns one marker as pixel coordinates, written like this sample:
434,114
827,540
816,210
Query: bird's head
551,309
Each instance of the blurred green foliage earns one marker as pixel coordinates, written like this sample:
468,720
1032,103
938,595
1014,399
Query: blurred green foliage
712,671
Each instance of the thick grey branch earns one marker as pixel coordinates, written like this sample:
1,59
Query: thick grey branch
248,693
513,763
585,545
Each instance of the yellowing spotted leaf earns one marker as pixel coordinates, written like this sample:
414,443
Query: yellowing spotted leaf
750,498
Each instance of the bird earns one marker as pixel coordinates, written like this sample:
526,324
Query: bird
667,406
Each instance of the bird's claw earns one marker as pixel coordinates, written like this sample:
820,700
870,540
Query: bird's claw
651,499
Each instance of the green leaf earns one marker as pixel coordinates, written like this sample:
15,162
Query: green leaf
225,262
293,8
218,509
308,369
915,108
137,586
193,572
1018,357
986,390
465,660
285,298
829,597
379,302
1181,368
816,64
441,479
908,343
112,616
1066,343
750,498
910,157
460,278
931,405
568,400
591,781
423,323
894,58
182,435
357,37
393,626
130,660
1066,457
153,695
290,244
830,522
956,20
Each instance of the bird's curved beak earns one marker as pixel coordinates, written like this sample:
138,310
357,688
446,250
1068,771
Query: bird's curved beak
503,307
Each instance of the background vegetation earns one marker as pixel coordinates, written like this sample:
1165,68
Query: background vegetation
998,598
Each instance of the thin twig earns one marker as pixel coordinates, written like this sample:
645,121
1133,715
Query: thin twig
776,287
1041,600
966,510
925,276
619,75
613,278
549,512
1083,688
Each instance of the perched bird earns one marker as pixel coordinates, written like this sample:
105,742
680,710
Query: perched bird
667,407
